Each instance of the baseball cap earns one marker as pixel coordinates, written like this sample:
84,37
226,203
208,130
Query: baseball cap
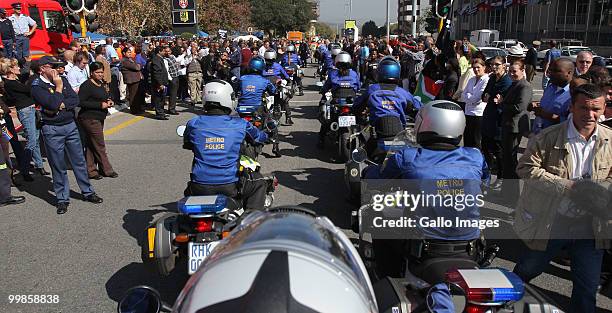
49,60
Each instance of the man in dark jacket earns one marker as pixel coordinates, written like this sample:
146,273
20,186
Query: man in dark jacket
60,132
7,33
159,80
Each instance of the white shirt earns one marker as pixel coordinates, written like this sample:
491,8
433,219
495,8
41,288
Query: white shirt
262,50
582,151
76,77
181,61
472,95
167,69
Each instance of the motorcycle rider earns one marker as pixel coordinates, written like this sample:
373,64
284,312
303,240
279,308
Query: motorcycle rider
386,99
340,76
252,88
215,139
273,69
291,58
327,58
439,129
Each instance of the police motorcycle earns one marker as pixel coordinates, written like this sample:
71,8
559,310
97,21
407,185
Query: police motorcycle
272,259
436,275
283,91
293,70
284,259
190,235
379,143
371,73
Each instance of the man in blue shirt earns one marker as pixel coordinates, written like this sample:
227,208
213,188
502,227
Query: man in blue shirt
552,54
215,139
554,105
24,26
58,101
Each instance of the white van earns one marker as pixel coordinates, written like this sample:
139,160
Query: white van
483,37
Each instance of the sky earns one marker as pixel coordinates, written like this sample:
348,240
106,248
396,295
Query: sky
336,11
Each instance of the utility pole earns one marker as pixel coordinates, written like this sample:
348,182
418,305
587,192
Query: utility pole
388,26
414,18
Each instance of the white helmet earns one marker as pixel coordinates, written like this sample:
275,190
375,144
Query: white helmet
291,48
335,51
270,55
219,92
281,253
440,121
343,57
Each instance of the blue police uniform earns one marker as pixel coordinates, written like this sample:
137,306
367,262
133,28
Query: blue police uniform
295,59
328,60
335,81
427,168
60,134
275,70
216,143
252,88
387,100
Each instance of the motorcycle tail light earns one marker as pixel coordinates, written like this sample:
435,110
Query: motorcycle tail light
275,182
203,225
487,286
248,118
476,309
345,110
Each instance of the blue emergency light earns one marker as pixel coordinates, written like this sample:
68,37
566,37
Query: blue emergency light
202,204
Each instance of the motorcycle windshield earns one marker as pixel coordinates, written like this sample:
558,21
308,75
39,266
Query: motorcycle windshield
405,138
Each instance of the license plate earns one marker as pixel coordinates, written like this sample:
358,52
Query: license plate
346,120
198,252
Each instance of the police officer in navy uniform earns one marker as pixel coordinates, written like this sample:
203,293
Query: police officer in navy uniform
439,129
60,133
7,33
386,99
215,139
275,70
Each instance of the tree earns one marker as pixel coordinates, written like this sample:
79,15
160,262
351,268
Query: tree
369,28
132,17
223,14
325,30
281,16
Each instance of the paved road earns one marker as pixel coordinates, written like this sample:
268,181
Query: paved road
91,255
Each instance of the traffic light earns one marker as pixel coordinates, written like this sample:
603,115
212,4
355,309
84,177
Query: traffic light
75,6
432,25
92,24
90,5
442,7
74,22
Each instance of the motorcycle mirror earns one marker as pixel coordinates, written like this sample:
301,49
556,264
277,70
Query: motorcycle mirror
359,155
180,131
141,299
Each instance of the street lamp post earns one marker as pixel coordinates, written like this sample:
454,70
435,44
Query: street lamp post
388,28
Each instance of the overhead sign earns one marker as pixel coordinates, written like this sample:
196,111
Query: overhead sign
184,17
350,24
183,5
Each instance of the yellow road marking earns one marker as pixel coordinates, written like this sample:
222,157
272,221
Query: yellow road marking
123,125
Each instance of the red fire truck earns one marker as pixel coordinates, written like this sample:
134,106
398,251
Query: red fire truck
51,31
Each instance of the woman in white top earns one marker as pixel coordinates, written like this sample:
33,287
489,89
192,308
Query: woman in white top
474,106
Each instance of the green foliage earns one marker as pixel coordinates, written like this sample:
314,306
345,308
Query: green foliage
369,28
187,35
281,16
325,30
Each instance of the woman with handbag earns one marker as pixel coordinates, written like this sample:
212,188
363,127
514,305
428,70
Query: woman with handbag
95,99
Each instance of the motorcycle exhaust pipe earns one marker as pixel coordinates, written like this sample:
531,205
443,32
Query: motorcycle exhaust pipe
334,126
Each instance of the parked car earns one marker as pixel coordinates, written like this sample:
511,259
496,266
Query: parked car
566,51
506,44
491,52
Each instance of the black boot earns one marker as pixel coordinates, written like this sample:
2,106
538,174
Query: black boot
276,150
301,91
288,121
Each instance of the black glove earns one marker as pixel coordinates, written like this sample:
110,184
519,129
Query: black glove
592,197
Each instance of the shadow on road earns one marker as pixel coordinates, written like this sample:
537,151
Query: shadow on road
135,222
331,199
42,187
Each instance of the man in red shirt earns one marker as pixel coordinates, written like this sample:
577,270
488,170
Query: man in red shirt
247,54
